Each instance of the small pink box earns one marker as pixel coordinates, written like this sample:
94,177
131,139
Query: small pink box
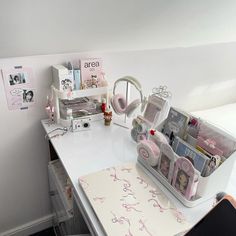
209,145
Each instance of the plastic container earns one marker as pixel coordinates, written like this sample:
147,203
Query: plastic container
57,95
59,190
207,187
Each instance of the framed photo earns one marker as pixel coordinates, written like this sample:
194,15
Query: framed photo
166,162
185,178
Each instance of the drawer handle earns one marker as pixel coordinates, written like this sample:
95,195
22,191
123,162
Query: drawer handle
53,193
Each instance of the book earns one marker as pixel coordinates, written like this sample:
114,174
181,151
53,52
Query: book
91,73
77,80
182,148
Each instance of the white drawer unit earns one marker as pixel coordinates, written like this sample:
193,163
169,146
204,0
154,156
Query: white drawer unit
58,184
67,218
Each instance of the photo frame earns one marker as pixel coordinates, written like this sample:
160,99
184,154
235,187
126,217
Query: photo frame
185,178
166,161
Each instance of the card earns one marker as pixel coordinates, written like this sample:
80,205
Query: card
175,124
200,161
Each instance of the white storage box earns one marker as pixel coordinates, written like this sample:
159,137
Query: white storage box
63,78
207,186
58,185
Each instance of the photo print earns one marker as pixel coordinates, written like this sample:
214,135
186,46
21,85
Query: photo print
165,165
182,181
17,78
28,95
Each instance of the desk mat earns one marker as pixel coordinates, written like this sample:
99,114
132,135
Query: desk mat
128,203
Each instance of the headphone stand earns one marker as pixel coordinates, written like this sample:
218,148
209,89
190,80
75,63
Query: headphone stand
124,123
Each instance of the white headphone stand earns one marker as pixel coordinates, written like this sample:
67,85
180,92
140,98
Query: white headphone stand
119,122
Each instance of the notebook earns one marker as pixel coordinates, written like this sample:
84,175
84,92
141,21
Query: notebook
127,202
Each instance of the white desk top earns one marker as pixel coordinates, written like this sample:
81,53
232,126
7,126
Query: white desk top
101,147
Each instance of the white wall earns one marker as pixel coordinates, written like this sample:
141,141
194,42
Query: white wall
198,77
44,27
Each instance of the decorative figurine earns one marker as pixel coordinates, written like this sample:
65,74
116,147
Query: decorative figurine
107,117
104,105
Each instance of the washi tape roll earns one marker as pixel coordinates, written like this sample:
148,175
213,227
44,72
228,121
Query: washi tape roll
149,151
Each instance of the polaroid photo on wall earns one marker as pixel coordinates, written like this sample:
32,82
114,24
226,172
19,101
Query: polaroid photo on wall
19,87
18,78
28,95
185,178
182,148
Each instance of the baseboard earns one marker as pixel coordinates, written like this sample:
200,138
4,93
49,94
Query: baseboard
31,227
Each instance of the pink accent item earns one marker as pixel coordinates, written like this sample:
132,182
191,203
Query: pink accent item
149,151
131,107
152,131
119,104
224,142
158,138
209,145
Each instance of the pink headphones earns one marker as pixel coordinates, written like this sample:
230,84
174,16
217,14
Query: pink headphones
118,101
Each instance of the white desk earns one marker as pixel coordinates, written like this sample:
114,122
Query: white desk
85,152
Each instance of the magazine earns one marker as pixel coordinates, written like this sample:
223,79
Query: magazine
91,73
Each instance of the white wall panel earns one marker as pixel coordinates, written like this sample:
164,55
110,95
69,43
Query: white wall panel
57,26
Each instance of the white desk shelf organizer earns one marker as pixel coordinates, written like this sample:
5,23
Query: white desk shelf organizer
57,94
